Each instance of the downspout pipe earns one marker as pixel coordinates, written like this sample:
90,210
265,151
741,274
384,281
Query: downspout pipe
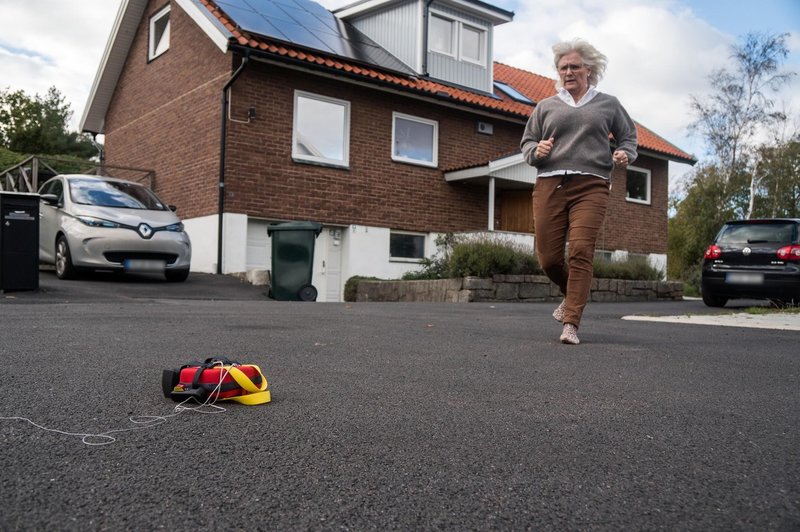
425,25
222,137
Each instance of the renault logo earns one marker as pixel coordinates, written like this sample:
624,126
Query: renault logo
146,231
746,251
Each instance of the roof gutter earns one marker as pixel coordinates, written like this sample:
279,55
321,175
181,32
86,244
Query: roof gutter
222,137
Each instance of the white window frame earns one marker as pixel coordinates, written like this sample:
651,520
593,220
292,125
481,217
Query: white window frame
453,34
646,172
321,159
457,36
408,259
158,44
481,60
434,148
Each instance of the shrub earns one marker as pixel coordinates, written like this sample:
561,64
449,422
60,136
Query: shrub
634,269
485,257
351,286
436,267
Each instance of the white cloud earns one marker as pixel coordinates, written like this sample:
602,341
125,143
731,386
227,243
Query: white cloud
45,44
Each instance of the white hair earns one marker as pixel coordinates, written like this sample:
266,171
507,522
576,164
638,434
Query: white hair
592,58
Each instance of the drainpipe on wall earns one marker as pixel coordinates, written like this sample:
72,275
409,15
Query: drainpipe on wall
223,135
425,24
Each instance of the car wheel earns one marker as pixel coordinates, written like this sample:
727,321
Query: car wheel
714,301
64,267
176,276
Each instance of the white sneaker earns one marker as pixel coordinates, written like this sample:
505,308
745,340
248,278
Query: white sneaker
570,334
558,313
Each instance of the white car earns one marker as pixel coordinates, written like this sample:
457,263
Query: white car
89,222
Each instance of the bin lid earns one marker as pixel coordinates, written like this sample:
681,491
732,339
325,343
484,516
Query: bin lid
316,227
11,193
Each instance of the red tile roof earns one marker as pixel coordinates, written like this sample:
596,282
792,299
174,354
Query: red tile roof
532,85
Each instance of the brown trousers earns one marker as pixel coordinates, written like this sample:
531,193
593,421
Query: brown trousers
569,210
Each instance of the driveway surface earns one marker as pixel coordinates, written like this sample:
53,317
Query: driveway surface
390,416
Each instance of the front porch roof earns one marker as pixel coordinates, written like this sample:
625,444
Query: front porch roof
509,172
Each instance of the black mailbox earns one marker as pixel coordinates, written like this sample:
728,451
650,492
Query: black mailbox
19,241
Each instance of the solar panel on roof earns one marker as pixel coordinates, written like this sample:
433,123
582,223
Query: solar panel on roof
306,23
512,92
252,20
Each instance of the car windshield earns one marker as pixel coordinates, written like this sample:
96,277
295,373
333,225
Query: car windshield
113,194
777,233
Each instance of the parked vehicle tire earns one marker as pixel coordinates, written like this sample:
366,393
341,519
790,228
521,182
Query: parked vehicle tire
714,301
64,267
176,276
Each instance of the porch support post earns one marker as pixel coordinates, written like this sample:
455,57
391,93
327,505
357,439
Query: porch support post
491,204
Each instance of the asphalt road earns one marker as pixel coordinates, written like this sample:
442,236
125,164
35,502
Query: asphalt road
390,416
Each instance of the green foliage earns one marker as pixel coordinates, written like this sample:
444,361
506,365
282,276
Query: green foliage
351,286
635,268
38,125
779,186
9,158
698,218
485,257
436,267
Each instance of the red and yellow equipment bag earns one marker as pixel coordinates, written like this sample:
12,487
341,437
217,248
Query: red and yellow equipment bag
216,379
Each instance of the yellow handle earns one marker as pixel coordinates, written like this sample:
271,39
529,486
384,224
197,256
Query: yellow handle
258,394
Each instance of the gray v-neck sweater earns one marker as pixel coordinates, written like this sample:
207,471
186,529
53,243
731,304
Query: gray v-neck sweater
580,135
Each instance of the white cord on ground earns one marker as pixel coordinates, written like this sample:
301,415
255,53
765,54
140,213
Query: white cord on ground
146,422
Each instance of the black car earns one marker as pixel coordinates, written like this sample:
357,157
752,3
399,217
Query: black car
758,259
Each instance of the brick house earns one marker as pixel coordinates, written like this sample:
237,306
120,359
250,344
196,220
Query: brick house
386,121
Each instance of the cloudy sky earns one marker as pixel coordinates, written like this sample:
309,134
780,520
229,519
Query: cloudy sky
660,51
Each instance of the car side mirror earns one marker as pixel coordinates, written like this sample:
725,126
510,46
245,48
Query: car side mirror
50,199
173,208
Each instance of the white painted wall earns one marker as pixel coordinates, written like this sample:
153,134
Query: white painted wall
203,233
364,250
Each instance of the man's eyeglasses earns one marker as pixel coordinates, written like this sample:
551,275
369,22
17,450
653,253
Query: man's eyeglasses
563,69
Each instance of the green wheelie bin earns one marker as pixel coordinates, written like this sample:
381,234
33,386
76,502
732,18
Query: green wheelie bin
293,260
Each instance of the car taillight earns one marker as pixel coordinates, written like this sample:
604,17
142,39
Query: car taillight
713,252
789,253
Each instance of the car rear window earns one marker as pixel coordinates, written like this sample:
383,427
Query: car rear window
755,233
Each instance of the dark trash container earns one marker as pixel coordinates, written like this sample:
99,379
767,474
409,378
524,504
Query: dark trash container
293,260
19,241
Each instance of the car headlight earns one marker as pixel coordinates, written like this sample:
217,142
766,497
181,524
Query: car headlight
175,228
97,222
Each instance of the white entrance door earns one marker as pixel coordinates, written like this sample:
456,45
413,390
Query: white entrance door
332,263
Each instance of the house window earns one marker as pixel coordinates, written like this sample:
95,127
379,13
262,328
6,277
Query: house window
406,246
472,44
457,39
159,33
637,185
321,129
441,35
414,140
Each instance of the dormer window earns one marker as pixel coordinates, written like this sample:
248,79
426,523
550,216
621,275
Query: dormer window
472,44
458,39
442,35
159,33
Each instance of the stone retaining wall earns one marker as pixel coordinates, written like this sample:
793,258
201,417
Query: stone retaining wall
512,288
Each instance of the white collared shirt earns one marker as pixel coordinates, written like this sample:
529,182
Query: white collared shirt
586,98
